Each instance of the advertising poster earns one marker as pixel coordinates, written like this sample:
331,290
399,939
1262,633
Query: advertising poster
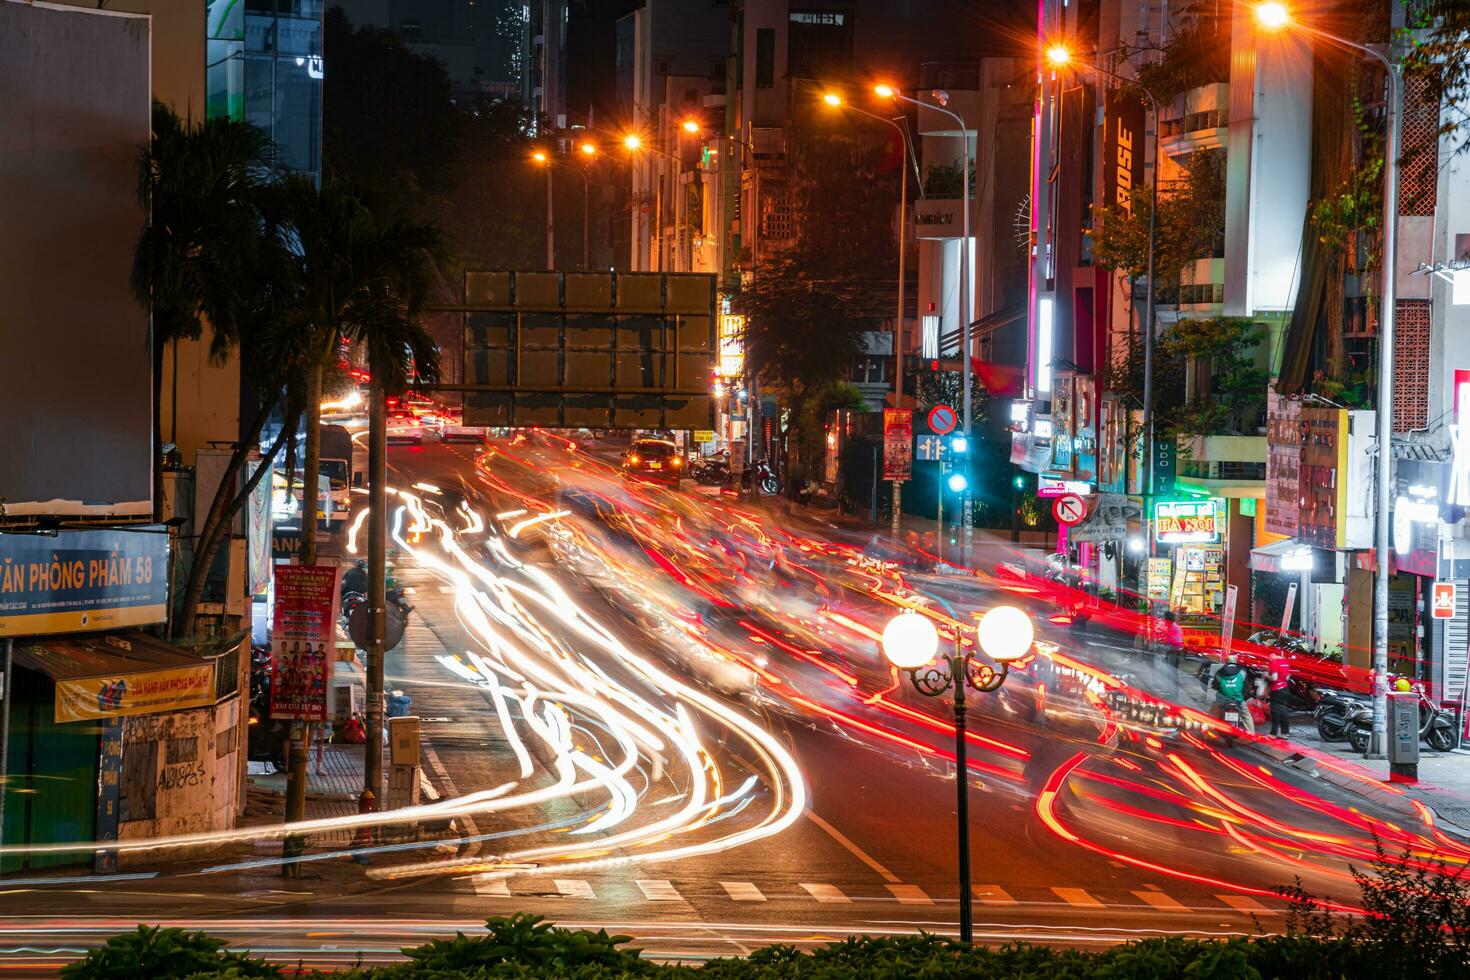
1160,572
898,443
303,634
76,581
1123,150
258,533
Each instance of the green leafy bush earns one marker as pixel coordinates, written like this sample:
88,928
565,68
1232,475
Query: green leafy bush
530,941
155,952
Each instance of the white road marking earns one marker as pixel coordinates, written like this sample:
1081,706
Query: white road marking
993,895
573,888
658,891
742,891
1077,896
1160,901
909,894
490,887
827,894
1244,903
858,852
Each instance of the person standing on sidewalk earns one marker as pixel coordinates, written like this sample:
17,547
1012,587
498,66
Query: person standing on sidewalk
1172,636
1279,675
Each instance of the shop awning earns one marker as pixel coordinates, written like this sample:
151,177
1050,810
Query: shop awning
110,675
1273,557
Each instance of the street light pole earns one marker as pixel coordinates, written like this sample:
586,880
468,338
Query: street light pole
1275,16
1060,56
550,225
940,104
910,642
377,582
898,351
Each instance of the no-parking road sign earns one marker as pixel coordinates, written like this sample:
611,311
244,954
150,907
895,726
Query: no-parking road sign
942,420
1068,509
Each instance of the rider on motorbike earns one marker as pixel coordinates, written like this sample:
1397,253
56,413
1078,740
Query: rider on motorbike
1230,685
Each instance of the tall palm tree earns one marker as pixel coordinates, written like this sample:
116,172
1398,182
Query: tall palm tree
362,279
200,184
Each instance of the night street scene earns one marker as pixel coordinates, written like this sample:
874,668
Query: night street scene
735,489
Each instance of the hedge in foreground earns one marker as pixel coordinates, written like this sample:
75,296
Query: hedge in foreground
1417,926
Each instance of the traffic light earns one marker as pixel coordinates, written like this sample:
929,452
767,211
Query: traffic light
958,483
958,444
1018,481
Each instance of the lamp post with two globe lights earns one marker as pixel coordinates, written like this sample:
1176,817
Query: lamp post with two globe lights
911,643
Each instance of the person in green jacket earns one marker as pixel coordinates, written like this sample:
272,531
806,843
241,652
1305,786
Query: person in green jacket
1230,684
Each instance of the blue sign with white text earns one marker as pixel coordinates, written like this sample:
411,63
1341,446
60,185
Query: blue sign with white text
74,581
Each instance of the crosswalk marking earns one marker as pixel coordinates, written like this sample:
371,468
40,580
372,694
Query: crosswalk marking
1160,901
491,887
993,895
826,894
742,891
1077,896
658,891
909,894
1244,903
573,888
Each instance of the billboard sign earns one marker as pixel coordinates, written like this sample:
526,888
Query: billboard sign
732,345
1283,463
303,641
1187,521
74,340
78,581
609,350
1123,149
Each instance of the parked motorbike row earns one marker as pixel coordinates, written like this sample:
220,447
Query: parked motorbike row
1348,717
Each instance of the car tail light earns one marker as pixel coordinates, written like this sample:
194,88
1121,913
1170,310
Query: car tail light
634,460
676,461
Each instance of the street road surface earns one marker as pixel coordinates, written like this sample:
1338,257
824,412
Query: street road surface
667,713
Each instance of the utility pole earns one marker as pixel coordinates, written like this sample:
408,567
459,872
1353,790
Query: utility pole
377,575
550,224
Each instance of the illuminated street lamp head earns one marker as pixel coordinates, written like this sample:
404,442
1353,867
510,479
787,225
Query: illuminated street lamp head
910,640
1058,55
884,91
633,141
1272,16
832,99
691,125
588,149
1005,634
539,156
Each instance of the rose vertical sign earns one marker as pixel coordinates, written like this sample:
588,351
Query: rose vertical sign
898,443
303,635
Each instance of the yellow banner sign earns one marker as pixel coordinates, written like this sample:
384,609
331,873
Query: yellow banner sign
704,435
143,693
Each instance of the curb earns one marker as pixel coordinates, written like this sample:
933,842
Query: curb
1304,762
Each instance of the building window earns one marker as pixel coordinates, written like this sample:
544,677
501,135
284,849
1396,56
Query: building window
765,57
817,45
868,371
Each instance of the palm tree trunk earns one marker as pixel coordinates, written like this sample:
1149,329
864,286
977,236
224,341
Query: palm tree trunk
222,511
312,465
157,426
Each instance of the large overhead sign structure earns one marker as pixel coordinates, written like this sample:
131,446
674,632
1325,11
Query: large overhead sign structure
601,350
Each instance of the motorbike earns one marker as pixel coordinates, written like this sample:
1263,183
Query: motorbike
267,737
711,470
1436,725
1335,713
762,477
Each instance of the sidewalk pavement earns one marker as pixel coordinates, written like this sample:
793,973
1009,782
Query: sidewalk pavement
334,780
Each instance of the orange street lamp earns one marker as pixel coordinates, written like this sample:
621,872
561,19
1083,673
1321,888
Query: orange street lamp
633,141
588,149
1058,55
691,125
1272,16
539,156
832,99
884,91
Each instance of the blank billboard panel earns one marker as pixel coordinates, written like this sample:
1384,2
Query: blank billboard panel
74,344
600,350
